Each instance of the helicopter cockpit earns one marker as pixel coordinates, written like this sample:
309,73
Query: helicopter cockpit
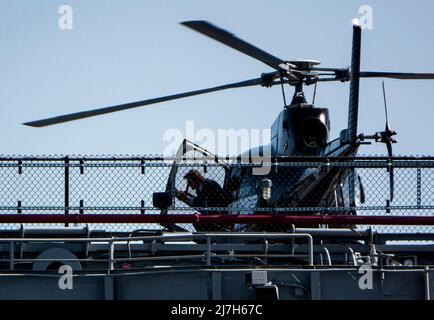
282,189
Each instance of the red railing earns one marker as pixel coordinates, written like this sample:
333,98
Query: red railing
221,219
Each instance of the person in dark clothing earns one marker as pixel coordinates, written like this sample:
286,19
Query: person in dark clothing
209,195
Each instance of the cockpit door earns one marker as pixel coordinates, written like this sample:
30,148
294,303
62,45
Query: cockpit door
191,153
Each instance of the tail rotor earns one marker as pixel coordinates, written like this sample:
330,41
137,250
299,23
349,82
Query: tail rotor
385,137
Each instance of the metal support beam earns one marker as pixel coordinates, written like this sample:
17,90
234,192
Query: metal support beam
111,255
427,284
11,256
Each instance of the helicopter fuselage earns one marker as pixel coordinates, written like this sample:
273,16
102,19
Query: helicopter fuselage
300,130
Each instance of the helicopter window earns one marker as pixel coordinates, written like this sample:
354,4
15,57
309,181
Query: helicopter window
247,193
249,184
358,192
309,171
332,146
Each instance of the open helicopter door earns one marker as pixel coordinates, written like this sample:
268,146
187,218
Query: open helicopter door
188,153
189,156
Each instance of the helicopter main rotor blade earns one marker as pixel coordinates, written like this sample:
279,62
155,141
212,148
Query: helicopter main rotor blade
398,75
374,74
100,111
232,41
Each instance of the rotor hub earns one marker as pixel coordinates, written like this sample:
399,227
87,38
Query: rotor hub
304,64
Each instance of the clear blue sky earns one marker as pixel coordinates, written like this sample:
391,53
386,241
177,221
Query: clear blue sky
122,51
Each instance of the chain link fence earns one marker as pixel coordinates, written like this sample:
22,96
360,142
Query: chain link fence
299,186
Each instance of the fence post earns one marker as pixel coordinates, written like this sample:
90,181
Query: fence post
142,207
142,165
419,187
66,187
20,167
81,210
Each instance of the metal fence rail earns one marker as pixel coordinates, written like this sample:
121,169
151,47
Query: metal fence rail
112,259
125,185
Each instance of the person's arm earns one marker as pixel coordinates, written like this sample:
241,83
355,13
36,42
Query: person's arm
186,198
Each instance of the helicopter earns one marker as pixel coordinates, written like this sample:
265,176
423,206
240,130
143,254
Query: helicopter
301,129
